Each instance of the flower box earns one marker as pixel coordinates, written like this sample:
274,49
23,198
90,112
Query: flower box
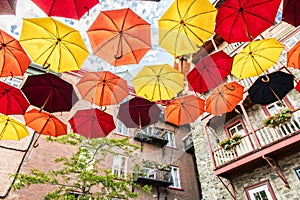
229,143
282,116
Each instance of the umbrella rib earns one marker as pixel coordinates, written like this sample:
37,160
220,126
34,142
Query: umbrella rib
49,33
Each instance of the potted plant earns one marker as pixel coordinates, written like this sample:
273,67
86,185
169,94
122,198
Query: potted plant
229,143
282,116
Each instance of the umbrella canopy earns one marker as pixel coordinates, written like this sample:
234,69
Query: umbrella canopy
102,88
13,59
74,9
186,25
158,82
224,98
8,7
49,92
209,72
256,57
11,129
274,88
12,100
45,123
53,44
184,110
120,37
92,123
290,12
244,20
297,87
293,56
138,113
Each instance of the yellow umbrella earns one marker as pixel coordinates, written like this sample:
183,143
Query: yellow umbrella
158,82
11,129
53,44
186,25
256,57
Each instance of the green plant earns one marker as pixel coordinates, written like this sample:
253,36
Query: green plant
152,164
229,143
281,116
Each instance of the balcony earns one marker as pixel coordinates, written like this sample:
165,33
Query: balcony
188,144
155,138
278,142
154,177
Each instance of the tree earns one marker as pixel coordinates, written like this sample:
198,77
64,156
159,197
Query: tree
80,173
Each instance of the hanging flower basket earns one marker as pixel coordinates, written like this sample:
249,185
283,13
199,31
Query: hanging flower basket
280,117
229,143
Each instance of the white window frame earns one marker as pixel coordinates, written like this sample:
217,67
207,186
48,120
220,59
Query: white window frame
121,128
258,190
170,136
117,169
175,177
235,127
276,105
13,81
289,43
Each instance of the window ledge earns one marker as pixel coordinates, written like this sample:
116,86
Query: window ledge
175,188
120,134
175,148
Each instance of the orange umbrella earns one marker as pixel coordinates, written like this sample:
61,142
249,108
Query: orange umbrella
293,56
13,59
184,110
120,37
102,88
45,123
224,98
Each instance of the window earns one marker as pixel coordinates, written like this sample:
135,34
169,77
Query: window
237,128
297,171
292,41
261,191
274,107
121,128
175,178
149,130
170,137
13,81
120,166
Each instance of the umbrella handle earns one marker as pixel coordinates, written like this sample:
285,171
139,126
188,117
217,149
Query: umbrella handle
36,144
265,79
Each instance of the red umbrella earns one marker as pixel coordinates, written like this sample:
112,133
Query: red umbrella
8,7
74,9
290,12
12,100
92,123
120,37
297,87
138,113
13,59
209,72
49,92
243,20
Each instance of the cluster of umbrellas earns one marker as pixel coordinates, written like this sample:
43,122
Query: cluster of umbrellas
121,37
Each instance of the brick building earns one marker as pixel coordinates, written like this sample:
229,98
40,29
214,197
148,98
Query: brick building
165,149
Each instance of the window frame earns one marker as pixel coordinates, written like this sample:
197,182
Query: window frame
10,81
118,122
285,101
167,134
117,160
260,184
178,178
297,172
234,123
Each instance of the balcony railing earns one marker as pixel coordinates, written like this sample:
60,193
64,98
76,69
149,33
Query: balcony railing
266,136
151,138
154,177
188,144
